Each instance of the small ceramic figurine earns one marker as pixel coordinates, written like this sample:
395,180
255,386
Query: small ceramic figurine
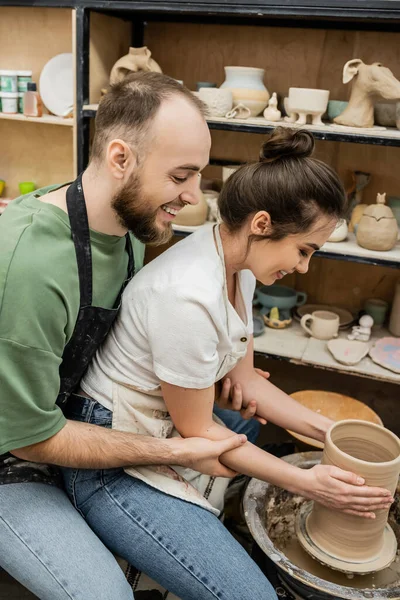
271,113
370,82
240,111
362,331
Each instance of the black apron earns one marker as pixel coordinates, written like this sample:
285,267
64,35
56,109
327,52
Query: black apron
91,328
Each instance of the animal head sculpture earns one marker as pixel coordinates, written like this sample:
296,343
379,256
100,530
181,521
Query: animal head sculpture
370,82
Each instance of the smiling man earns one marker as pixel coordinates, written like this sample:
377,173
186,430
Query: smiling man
66,255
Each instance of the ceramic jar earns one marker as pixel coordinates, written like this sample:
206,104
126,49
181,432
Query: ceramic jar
218,101
372,452
247,87
377,229
193,214
138,59
394,323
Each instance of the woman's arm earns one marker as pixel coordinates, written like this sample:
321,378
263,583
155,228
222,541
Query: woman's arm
191,412
273,404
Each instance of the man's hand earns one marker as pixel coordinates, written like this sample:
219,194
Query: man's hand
231,398
203,455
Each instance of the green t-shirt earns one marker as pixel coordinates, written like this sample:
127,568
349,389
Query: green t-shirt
39,303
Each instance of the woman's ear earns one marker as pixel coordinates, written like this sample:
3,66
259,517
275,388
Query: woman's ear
261,223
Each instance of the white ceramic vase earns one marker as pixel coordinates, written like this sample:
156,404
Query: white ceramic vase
247,87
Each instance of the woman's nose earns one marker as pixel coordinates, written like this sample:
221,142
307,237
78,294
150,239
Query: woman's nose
303,265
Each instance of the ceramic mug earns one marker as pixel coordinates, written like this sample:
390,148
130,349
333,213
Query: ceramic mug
324,324
377,309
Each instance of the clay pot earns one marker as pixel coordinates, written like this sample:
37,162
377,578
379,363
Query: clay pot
138,59
306,102
377,229
218,101
247,87
193,214
372,452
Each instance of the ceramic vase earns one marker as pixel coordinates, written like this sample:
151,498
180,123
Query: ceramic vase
372,452
137,59
394,323
247,87
193,214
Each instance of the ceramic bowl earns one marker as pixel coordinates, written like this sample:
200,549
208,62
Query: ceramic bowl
308,100
385,114
218,101
335,108
281,296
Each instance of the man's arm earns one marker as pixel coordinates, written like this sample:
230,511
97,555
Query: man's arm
87,446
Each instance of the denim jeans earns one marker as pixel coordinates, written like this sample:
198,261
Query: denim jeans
47,546
183,547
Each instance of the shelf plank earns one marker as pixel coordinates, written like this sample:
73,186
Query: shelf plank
44,120
378,136
295,345
347,250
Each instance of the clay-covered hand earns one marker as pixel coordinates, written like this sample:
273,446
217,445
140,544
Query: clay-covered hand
231,397
203,454
345,491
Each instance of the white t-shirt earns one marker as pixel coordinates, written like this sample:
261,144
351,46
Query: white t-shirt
176,324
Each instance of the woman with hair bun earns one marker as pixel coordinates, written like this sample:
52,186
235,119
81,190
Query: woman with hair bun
186,323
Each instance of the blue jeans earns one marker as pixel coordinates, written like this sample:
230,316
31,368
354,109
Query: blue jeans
47,546
183,547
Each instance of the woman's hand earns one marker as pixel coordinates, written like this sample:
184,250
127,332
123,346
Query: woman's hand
231,397
343,490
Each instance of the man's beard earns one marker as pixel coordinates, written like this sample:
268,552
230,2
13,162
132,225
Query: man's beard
135,214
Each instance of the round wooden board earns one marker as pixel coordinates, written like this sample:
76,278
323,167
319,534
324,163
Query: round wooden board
335,406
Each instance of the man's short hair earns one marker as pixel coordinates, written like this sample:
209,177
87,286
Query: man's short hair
127,109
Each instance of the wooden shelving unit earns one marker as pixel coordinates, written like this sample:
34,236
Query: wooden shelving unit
44,120
42,149
294,345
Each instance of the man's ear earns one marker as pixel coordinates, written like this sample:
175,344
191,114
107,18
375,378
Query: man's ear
261,223
121,159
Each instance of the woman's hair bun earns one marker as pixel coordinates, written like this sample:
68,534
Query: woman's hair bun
285,143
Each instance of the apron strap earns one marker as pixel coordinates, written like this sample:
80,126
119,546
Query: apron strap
81,237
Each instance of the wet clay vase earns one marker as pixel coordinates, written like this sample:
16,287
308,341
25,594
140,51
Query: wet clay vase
247,87
377,229
138,59
347,542
193,214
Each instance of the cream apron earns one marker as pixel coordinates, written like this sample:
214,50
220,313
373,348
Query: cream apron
145,413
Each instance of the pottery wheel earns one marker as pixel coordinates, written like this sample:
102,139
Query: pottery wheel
382,561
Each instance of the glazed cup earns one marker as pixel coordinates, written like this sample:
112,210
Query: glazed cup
372,452
324,324
377,309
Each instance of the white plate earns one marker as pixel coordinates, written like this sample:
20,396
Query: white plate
56,84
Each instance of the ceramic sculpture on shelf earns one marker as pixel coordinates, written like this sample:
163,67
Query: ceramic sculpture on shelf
377,229
362,331
247,87
370,82
306,102
271,113
339,234
193,214
138,59
218,101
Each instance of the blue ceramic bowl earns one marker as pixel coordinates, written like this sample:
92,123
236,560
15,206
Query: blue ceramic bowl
281,296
